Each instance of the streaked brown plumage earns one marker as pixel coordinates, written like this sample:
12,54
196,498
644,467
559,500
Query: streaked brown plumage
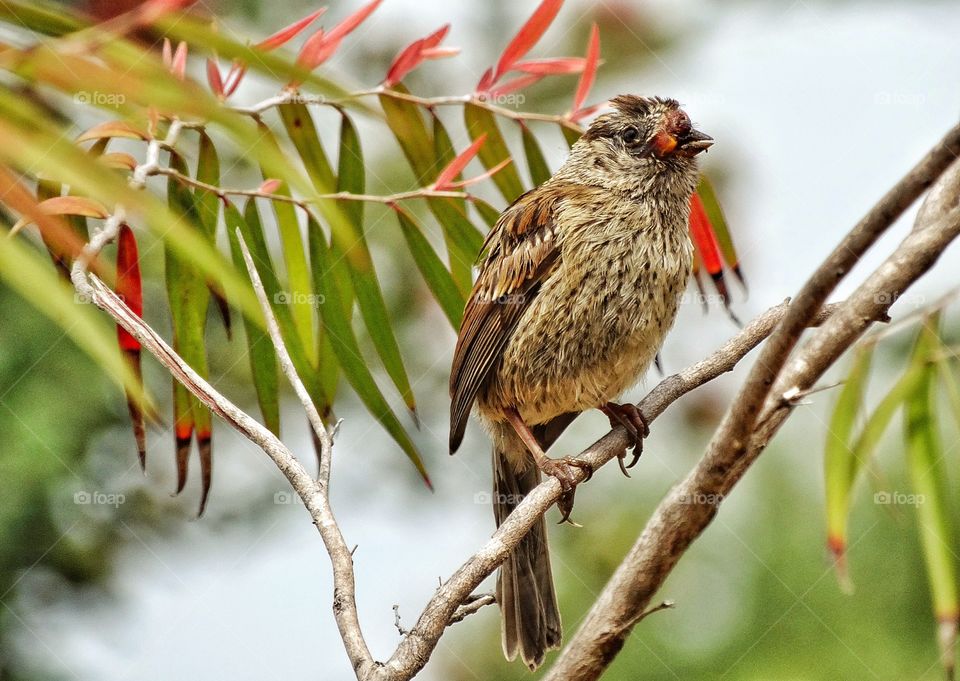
579,283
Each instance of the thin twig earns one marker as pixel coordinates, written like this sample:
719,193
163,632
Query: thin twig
474,604
423,193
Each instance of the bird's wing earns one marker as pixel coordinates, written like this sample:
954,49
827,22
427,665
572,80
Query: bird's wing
521,250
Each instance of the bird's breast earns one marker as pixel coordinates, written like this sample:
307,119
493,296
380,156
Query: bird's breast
599,319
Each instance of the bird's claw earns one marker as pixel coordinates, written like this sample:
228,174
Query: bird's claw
563,471
628,416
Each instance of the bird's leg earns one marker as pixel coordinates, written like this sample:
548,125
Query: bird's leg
555,468
628,416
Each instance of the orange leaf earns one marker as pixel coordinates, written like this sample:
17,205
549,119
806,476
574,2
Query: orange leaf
349,24
516,84
528,35
706,243
549,67
284,35
64,205
129,286
415,53
316,50
112,129
459,163
213,77
589,72
119,159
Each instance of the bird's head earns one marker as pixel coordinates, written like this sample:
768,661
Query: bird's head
639,141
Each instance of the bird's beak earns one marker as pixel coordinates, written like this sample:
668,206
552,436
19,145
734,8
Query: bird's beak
693,143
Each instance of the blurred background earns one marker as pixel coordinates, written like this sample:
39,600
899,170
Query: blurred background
817,108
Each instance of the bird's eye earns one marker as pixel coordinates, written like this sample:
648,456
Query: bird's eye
631,135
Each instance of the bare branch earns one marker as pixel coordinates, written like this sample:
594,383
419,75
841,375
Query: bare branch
690,506
418,644
473,605
739,422
309,490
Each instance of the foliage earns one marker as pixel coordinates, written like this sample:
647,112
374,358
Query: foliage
183,128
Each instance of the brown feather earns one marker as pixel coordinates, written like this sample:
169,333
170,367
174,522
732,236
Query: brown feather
521,252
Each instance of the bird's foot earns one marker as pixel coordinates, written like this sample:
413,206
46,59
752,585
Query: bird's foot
564,470
628,416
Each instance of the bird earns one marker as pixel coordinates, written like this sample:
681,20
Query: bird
578,283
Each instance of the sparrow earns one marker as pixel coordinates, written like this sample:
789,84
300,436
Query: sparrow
578,284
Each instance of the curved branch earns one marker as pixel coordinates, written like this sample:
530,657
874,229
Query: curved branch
419,642
690,506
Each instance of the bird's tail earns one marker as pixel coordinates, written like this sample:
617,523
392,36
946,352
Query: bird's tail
528,602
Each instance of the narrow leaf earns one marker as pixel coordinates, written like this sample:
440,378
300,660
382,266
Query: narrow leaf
926,463
528,35
536,163
347,349
130,289
438,279
589,72
408,127
263,357
479,122
286,34
839,465
721,229
366,286
456,166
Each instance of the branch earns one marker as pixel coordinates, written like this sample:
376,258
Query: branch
423,193
690,506
418,644
733,433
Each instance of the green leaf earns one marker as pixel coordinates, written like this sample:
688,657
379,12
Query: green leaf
839,459
363,275
347,349
536,163
30,143
251,228
406,122
928,476
488,213
263,357
571,135
438,279
299,293
188,298
481,121
460,236
208,171
303,133
208,211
